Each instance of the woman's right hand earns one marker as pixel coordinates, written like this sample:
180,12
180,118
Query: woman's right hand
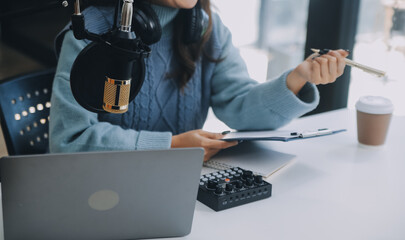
198,138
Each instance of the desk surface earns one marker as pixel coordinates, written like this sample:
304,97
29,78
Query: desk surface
335,189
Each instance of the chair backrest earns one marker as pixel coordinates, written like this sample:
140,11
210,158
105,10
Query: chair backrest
24,112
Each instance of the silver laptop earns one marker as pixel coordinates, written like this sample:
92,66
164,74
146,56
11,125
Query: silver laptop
104,195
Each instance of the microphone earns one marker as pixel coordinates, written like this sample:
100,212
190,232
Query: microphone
117,85
109,72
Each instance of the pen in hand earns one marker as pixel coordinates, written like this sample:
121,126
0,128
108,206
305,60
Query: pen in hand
352,63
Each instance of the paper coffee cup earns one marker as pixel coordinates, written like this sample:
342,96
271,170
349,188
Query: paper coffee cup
373,119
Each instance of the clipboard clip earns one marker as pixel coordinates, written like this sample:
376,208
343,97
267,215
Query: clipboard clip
319,132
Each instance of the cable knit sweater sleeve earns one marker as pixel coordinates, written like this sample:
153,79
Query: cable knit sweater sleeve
244,104
74,129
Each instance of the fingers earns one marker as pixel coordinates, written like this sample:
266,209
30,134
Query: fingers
211,135
217,144
212,140
332,61
324,68
316,73
343,53
212,144
328,67
312,57
209,153
341,63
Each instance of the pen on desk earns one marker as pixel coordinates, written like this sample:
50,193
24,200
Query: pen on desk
352,63
319,132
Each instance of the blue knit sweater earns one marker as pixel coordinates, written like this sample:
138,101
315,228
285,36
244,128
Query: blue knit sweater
161,109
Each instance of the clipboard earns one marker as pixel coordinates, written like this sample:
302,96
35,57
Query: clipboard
284,135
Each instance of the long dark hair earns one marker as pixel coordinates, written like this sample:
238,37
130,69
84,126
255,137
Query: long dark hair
187,55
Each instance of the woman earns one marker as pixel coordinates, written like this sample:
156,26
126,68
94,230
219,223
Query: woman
182,81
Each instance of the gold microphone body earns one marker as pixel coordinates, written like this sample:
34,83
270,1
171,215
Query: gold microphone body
116,95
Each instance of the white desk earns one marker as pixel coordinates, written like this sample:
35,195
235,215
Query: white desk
334,190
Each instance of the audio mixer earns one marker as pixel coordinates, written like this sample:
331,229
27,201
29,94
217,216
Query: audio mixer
232,187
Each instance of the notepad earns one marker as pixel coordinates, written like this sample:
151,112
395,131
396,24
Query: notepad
285,136
253,156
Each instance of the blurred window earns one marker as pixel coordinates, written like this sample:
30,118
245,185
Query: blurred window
270,33
283,33
380,43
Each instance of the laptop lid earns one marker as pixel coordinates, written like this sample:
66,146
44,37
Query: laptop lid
100,195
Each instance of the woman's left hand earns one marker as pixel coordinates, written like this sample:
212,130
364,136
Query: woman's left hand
317,69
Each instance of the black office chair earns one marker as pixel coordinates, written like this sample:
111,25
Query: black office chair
24,112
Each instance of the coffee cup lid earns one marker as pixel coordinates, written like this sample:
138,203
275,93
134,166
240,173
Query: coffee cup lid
374,105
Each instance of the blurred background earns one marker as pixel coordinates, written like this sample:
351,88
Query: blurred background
275,31
273,36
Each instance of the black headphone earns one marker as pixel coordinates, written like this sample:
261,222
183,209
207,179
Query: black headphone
146,23
109,72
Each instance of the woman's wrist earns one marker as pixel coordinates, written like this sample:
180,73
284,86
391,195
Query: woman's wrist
295,82
173,144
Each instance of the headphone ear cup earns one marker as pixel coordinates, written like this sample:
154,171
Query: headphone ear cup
192,30
146,23
196,23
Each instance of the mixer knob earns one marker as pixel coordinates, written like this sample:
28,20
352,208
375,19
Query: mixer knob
219,190
258,179
247,174
212,184
238,184
228,187
249,182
